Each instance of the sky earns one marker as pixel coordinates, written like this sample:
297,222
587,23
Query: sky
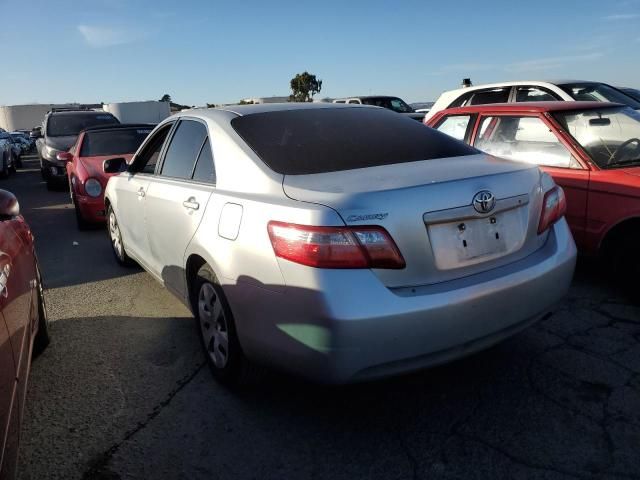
210,51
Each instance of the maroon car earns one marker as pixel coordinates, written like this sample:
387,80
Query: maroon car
591,149
23,325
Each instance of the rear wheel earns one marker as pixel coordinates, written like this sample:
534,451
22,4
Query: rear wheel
217,329
623,257
42,337
115,236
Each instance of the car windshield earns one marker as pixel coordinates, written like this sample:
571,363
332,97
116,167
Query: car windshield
113,142
598,92
611,136
297,142
392,103
71,124
632,92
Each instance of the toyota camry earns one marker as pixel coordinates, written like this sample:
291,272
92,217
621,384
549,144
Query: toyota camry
338,242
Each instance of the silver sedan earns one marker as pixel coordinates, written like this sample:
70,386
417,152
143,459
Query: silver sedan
339,243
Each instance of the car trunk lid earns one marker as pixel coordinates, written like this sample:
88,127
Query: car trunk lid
427,209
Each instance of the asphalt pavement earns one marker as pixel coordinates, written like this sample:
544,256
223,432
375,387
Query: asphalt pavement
122,391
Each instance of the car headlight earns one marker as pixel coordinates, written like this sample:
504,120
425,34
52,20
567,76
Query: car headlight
93,187
50,152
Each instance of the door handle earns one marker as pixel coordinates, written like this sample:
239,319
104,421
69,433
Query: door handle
191,203
141,192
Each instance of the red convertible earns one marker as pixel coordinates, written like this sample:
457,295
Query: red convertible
591,149
87,178
23,325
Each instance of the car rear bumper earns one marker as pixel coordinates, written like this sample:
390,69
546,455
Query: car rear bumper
344,326
92,209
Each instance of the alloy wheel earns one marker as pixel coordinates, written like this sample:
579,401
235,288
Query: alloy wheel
116,238
213,324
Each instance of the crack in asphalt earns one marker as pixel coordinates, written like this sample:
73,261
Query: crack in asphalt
97,468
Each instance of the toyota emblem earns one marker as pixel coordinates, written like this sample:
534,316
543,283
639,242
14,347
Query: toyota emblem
484,201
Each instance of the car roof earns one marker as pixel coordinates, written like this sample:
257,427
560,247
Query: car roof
80,112
557,106
243,110
118,126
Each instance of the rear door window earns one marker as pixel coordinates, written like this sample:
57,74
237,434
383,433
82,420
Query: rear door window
535,94
489,96
319,140
183,150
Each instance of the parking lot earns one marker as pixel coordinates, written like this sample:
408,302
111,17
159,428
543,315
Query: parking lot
123,390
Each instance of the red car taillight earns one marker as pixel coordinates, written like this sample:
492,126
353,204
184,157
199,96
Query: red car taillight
335,247
554,207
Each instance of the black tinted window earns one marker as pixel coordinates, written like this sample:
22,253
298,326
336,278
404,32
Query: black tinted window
113,142
183,149
204,171
67,124
495,95
331,139
147,159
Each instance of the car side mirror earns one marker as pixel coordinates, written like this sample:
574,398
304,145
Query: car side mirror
9,206
114,165
36,133
64,156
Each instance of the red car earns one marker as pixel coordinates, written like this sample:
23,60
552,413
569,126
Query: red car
23,325
87,178
591,149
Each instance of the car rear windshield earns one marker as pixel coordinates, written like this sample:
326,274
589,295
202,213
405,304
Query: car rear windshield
392,103
66,124
298,142
113,142
598,92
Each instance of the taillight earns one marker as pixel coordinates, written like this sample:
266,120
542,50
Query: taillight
554,207
335,247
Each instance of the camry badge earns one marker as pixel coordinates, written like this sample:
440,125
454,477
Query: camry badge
484,201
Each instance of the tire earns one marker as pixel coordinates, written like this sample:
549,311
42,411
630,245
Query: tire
19,162
14,161
50,185
4,172
218,336
80,221
622,257
42,339
115,238
44,171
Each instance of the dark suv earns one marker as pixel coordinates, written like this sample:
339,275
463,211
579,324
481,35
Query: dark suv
59,132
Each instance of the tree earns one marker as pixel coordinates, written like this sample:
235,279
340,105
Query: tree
166,98
304,86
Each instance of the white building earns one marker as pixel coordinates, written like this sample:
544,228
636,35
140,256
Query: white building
25,117
139,112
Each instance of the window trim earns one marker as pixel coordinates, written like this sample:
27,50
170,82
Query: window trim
160,165
577,155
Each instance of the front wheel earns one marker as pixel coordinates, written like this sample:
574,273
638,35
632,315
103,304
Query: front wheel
115,236
42,337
